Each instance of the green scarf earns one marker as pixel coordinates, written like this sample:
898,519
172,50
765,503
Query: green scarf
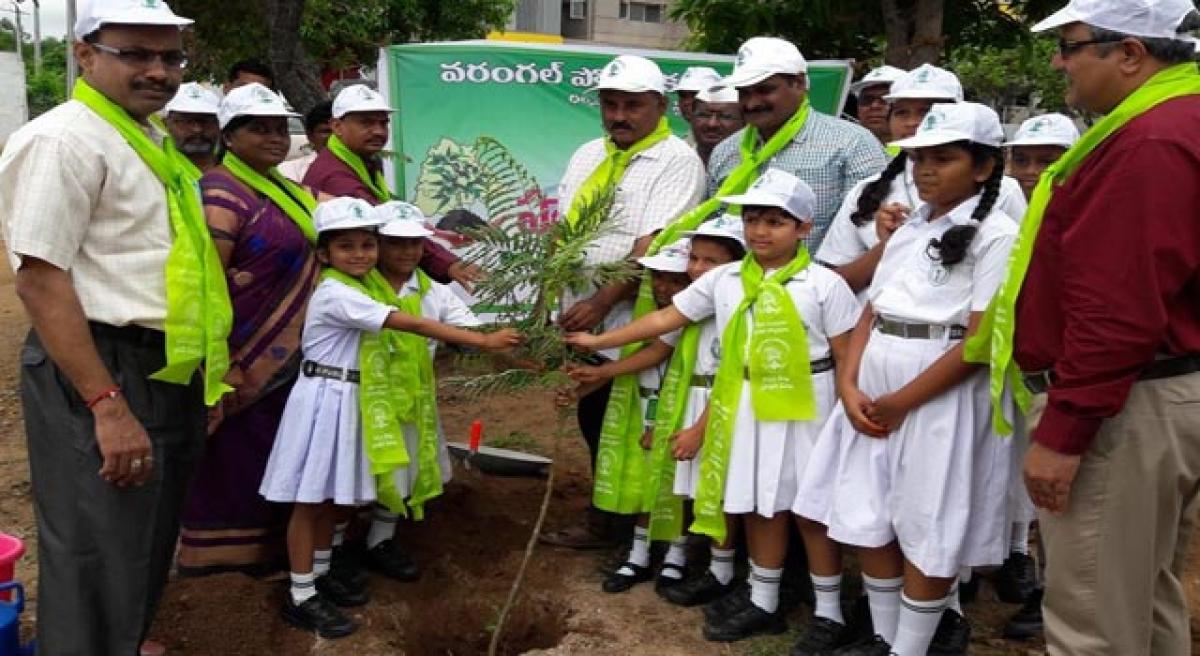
381,398
993,342
294,200
199,313
620,437
781,387
666,509
414,372
610,171
376,183
892,151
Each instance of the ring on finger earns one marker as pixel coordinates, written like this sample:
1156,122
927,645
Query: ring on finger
135,464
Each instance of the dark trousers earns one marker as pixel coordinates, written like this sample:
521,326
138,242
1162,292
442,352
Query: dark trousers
104,552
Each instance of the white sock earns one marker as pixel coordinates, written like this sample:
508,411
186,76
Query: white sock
764,587
883,595
677,556
304,587
1019,542
339,533
639,551
918,622
828,591
953,602
965,574
721,565
321,559
383,527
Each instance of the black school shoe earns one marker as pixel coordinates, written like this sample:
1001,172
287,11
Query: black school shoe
1027,622
736,599
340,593
697,590
746,622
618,582
1017,578
388,559
317,614
664,583
952,637
346,564
821,637
875,646
862,627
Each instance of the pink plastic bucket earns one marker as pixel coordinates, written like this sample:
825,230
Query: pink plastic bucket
11,549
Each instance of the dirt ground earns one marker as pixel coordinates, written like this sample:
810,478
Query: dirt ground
469,548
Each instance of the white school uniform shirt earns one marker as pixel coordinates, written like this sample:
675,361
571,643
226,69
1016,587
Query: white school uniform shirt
846,242
661,183
912,287
441,304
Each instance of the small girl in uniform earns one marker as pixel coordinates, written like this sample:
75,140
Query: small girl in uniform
908,469
875,207
668,276
783,323
320,459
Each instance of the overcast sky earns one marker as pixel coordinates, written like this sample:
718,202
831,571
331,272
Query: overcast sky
53,12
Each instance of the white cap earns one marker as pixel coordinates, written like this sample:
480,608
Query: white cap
401,219
671,259
718,95
926,82
251,100
1046,130
728,226
763,56
359,98
193,99
633,74
781,189
94,14
882,75
950,122
1145,18
345,213
697,78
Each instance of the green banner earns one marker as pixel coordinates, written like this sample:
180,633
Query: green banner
490,126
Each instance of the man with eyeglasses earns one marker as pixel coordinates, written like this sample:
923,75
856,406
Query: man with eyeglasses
106,233
715,116
1100,312
869,92
192,122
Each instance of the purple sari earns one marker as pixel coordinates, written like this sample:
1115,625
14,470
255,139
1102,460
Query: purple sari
271,273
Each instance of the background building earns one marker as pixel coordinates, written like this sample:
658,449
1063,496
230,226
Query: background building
638,23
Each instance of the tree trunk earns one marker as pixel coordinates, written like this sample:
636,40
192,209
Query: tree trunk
913,29
295,74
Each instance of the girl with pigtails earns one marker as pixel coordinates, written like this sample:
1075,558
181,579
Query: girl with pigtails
875,207
907,469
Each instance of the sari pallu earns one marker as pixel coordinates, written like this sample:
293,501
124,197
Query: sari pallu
271,275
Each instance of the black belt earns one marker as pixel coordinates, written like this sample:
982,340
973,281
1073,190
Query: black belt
918,330
131,334
816,367
647,392
318,370
703,380
1040,382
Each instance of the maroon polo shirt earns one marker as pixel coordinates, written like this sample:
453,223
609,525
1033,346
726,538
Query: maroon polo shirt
330,175
1115,276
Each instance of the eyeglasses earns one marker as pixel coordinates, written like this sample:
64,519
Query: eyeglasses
724,117
144,58
868,100
1066,48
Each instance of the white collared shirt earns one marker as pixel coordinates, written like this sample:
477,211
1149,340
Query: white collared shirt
912,287
846,242
441,304
75,194
661,183
825,303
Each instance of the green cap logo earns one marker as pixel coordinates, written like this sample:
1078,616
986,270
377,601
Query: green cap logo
922,76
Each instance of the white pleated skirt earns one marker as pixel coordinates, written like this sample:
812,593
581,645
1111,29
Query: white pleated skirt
939,484
406,476
687,472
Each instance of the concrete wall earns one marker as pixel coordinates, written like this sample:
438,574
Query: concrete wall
609,28
14,111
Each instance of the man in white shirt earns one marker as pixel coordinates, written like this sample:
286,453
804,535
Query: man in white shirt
662,180
87,227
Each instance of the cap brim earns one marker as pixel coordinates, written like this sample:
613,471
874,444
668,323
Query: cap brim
755,198
704,233
663,264
1039,142
918,95
407,232
364,110
627,88
857,87
351,225
1064,16
150,17
191,109
931,138
744,78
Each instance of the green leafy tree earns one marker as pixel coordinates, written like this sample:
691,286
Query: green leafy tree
1017,75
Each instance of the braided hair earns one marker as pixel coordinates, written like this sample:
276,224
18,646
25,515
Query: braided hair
952,247
874,192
